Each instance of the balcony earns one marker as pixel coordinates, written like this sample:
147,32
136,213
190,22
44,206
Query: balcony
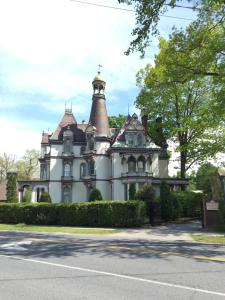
67,178
136,176
68,154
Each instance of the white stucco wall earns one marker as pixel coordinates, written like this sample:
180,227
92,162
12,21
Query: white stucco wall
79,192
55,169
118,190
56,150
55,191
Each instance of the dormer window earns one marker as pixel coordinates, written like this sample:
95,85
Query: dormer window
68,141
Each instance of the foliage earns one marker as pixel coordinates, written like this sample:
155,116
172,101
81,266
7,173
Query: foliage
45,197
116,121
146,193
27,195
210,14
167,202
132,191
28,167
7,162
95,195
190,203
96,214
11,188
191,106
203,175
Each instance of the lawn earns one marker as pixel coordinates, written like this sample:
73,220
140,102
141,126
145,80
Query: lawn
59,229
212,239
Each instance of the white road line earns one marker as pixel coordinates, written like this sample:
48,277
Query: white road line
178,286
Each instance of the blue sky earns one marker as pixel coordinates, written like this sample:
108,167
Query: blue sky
49,53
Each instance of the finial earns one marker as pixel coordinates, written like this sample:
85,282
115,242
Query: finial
99,68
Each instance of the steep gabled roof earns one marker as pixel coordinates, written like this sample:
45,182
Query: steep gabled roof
67,120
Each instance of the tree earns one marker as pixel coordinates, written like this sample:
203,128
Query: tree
192,111
95,195
45,197
7,164
28,166
203,175
116,121
11,187
210,13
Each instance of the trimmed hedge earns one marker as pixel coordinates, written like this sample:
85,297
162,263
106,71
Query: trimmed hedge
97,214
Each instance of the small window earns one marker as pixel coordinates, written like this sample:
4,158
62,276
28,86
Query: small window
92,167
91,143
83,170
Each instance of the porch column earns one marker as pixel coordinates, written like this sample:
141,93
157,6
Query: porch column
34,195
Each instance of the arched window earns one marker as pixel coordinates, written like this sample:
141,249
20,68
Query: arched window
91,143
131,165
141,164
83,170
67,170
91,167
82,149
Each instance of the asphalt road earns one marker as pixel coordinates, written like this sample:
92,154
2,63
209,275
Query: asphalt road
52,266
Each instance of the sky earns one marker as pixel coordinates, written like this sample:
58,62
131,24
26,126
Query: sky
49,54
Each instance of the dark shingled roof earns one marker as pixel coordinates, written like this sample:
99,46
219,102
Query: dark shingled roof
68,120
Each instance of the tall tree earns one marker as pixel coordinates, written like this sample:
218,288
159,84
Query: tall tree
28,166
191,107
7,163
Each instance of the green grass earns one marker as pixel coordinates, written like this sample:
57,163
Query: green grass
59,229
209,239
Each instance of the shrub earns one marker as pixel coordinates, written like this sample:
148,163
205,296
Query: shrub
95,195
170,206
27,195
11,188
45,197
147,194
98,213
190,203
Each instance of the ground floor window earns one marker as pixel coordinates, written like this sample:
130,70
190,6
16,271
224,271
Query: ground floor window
66,193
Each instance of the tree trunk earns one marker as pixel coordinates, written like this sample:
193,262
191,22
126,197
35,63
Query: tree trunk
183,159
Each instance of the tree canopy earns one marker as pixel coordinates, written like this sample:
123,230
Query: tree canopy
116,121
191,106
210,13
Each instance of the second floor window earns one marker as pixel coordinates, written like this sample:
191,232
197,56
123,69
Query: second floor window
67,170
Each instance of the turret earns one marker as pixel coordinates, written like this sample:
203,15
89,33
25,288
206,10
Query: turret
98,116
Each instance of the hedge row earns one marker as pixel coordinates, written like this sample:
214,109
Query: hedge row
97,214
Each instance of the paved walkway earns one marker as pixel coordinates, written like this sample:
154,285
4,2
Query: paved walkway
168,232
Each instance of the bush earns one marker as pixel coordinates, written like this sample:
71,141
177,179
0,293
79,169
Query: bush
170,206
95,195
147,194
27,195
11,188
190,203
97,214
45,197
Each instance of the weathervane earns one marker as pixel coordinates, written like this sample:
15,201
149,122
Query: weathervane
99,68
